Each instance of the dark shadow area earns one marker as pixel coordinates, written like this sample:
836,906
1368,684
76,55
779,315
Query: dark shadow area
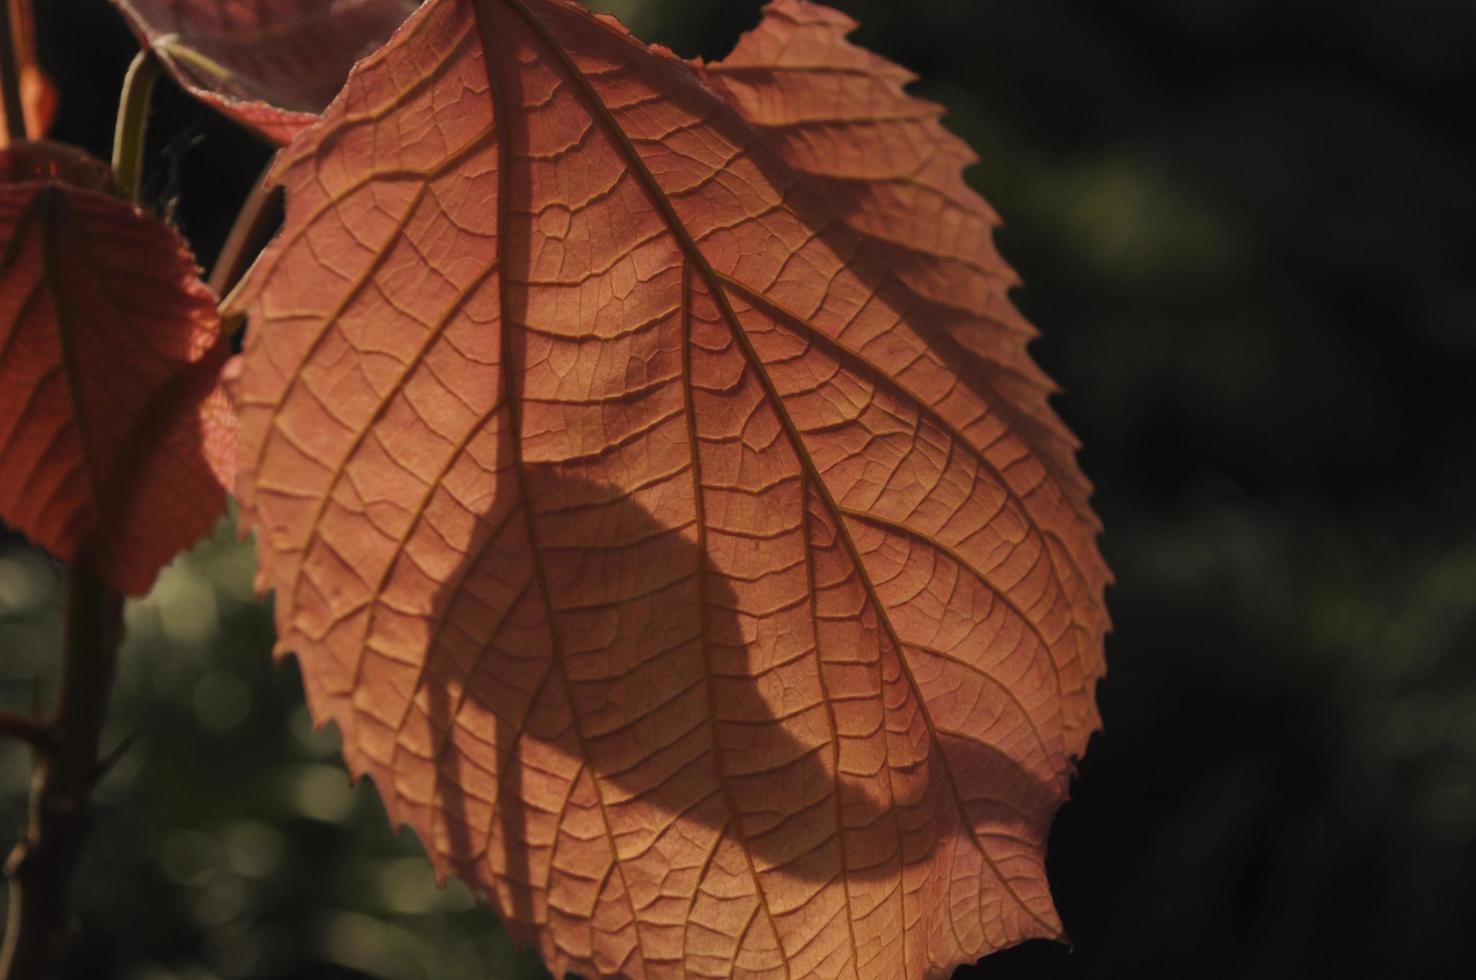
638,680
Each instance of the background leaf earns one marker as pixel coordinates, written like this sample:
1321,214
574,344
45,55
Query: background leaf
110,349
675,527
271,65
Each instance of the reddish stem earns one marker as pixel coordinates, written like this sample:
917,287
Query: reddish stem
27,730
39,931
10,82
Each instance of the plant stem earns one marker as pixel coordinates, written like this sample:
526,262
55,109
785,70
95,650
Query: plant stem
133,123
10,86
258,216
38,931
25,729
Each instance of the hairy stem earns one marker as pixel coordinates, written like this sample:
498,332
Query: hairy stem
10,85
65,768
133,119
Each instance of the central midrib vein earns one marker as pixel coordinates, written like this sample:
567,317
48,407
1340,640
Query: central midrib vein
50,201
515,413
601,113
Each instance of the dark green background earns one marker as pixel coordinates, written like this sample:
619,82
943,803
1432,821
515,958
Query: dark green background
1247,231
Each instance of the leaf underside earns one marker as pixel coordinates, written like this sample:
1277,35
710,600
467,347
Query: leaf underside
658,494
271,65
110,348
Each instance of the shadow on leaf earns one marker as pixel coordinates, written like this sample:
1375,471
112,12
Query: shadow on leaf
657,715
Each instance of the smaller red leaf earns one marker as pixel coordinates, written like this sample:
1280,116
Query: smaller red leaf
45,160
272,65
115,437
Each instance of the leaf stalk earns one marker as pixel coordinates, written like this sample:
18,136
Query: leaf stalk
10,82
258,217
131,134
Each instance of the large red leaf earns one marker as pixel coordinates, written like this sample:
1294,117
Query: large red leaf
269,64
658,493
110,348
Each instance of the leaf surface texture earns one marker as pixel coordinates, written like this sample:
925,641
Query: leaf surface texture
658,493
112,426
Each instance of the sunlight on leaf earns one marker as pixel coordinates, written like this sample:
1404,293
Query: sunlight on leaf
659,496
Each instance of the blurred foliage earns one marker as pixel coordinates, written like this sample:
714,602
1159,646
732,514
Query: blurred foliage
1247,232
230,842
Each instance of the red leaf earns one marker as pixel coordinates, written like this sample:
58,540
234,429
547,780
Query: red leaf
658,493
271,65
110,348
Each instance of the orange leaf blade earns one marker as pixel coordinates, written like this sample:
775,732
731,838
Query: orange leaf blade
687,552
110,348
